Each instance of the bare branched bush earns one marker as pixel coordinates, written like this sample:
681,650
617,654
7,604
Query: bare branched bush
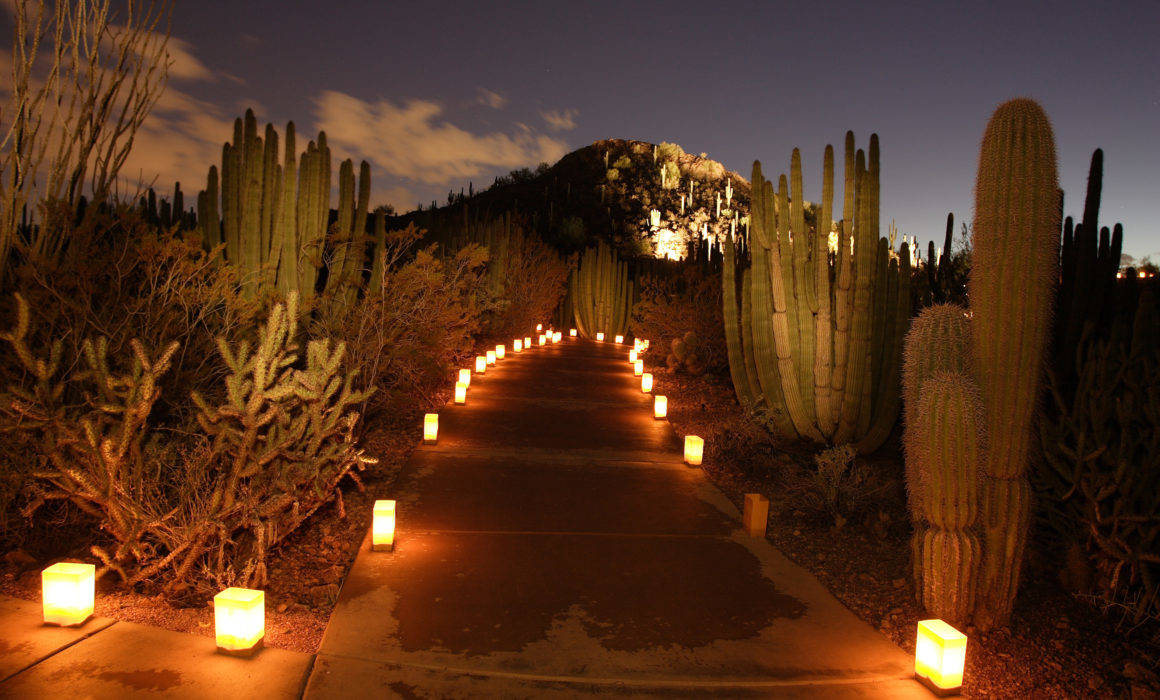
535,278
83,82
672,306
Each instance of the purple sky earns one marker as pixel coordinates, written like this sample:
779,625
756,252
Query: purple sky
435,94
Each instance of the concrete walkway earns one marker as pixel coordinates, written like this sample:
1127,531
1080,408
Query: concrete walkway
552,544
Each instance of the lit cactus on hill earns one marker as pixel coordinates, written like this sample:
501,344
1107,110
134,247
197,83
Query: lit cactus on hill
815,345
601,293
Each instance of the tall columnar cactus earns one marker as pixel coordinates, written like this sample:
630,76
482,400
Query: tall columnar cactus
1013,277
274,216
601,293
826,336
946,443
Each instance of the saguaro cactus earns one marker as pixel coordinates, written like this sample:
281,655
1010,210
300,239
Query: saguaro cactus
826,336
1013,277
601,293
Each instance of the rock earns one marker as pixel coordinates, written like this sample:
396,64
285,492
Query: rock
324,594
19,559
282,607
899,582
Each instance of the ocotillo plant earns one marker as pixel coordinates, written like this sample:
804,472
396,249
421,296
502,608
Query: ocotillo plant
601,293
274,217
815,346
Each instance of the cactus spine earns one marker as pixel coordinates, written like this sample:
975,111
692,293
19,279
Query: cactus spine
601,293
826,344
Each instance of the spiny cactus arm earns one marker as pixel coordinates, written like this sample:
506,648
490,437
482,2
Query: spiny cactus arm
858,355
886,407
820,278
285,237
803,302
731,316
843,310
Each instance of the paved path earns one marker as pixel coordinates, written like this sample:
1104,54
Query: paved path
551,545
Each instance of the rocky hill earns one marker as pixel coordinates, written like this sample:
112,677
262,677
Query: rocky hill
646,199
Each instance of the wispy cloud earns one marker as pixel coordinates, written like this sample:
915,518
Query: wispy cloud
489,98
411,141
560,119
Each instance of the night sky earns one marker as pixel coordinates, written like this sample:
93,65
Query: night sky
436,94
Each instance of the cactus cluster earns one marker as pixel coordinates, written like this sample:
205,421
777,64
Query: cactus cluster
970,421
688,353
815,344
274,217
601,293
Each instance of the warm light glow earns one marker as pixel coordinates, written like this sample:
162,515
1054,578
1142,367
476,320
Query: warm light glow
572,332
430,428
465,377
528,342
383,527
694,449
460,393
660,406
557,337
939,655
539,327
543,339
638,368
489,356
646,382
500,351
620,338
600,337
480,364
67,593
646,343
518,345
632,355
239,619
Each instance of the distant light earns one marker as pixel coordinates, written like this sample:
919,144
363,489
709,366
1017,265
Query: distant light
646,382
518,345
631,356
430,428
480,364
465,377
539,327
500,351
660,407
572,332
460,393
620,339
600,337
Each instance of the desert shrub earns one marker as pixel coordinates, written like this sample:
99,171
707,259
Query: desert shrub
175,500
669,151
410,329
571,233
672,175
613,174
839,487
1100,440
623,163
535,279
671,306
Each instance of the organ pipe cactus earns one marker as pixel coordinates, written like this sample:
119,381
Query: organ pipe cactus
826,336
274,213
601,293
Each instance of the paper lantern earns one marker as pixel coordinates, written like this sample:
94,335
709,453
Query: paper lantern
694,449
543,339
67,593
489,356
383,527
430,428
518,345
646,382
528,342
638,368
632,355
465,377
239,620
557,337
539,327
939,656
572,332
756,514
660,407
620,338
500,352
460,393
480,364
600,337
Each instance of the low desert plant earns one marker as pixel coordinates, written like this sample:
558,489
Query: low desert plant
671,307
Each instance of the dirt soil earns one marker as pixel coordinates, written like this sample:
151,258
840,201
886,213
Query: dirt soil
1056,645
